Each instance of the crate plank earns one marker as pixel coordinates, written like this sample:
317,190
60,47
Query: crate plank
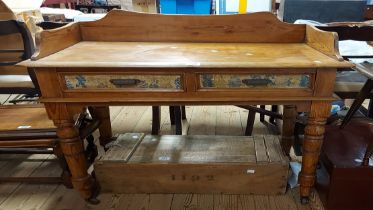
194,149
122,148
272,152
261,150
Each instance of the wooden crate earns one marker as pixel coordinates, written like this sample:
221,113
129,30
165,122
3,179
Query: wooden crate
136,163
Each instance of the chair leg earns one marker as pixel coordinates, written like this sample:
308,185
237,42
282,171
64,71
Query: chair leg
250,123
370,109
274,108
183,113
298,129
368,153
91,150
262,115
172,114
103,114
361,96
156,122
177,114
288,125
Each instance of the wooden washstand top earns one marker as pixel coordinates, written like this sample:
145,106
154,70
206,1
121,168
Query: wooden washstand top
198,55
128,39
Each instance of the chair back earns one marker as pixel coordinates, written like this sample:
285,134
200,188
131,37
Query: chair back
8,27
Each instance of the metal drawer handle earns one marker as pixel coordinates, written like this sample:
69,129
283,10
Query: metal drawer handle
125,82
256,82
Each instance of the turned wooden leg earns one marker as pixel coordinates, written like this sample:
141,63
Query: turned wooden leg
72,147
314,135
156,120
73,150
288,125
103,114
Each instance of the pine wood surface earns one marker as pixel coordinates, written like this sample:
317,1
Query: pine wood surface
197,55
203,120
35,116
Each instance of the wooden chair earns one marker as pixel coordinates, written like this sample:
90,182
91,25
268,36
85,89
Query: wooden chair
365,92
177,114
18,84
26,129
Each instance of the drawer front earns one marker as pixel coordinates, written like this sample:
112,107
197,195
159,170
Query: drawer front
242,81
123,82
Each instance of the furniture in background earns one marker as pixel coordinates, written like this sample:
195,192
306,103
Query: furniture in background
194,70
369,12
26,129
54,17
60,3
344,180
177,115
350,83
96,8
366,91
17,84
324,11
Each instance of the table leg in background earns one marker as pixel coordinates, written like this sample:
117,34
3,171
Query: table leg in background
288,125
103,114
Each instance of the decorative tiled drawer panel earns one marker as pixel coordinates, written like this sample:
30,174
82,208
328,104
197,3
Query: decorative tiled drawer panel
172,82
254,81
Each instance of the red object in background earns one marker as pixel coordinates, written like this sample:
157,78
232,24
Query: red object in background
369,12
68,3
343,183
49,2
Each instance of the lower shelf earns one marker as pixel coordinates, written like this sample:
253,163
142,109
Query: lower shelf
138,163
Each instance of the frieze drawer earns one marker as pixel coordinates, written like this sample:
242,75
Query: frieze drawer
242,81
123,82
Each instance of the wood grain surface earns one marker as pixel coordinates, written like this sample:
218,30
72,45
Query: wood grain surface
119,25
193,55
23,117
194,164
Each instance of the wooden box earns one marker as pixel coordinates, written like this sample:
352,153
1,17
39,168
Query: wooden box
343,183
136,163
